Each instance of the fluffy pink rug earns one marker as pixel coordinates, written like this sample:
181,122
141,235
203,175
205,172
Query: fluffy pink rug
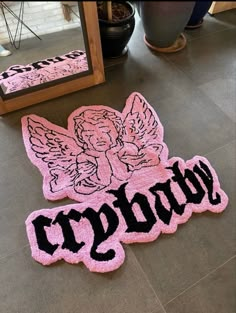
116,166
18,77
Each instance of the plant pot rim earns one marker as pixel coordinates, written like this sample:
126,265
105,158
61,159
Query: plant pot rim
178,45
121,22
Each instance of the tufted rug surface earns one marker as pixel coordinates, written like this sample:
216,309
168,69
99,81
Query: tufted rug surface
116,167
18,77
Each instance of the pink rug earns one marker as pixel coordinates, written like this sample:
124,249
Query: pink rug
18,77
116,166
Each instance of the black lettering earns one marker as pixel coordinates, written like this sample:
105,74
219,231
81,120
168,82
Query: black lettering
5,75
69,238
182,182
39,223
74,55
37,65
18,69
126,209
100,235
55,60
207,178
163,213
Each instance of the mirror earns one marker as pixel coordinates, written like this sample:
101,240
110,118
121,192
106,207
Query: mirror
52,43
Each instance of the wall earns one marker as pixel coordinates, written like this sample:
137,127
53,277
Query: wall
41,16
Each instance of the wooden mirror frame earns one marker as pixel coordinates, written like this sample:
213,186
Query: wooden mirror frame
62,88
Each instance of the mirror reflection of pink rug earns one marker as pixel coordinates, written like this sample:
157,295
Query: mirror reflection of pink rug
18,77
116,166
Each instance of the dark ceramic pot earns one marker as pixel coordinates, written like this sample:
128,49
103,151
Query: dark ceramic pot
163,21
199,11
116,35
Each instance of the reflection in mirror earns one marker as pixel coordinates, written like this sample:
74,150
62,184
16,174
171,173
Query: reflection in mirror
46,43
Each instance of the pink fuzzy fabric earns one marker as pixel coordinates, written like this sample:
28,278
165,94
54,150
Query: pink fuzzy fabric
116,166
53,71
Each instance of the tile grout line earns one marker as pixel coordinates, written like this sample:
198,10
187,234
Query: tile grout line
139,265
179,69
208,34
148,281
218,106
196,283
219,147
165,57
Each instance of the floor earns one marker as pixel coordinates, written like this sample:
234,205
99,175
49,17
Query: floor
50,45
191,271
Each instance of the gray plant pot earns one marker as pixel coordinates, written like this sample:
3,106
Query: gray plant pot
163,21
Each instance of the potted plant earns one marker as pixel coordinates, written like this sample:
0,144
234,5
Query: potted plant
199,11
116,22
163,23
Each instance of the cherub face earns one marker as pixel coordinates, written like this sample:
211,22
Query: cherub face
100,137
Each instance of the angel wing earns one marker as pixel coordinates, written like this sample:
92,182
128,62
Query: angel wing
141,124
143,131
54,152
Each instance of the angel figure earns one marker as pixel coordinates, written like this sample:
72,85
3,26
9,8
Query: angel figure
100,145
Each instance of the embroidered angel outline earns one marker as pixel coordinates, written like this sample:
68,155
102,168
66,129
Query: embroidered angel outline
100,145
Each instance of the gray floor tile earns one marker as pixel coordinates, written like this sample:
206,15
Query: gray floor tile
223,93
223,160
160,310
174,262
20,194
228,17
215,293
27,286
209,57
212,24
10,147
193,123
12,232
146,72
